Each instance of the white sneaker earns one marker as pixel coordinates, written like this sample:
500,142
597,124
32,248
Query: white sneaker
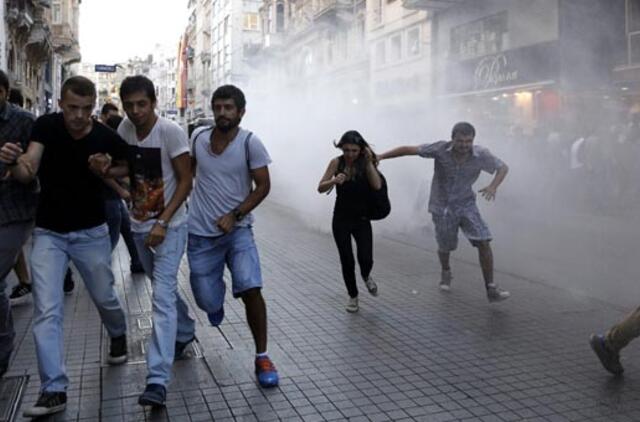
496,294
445,280
371,286
352,305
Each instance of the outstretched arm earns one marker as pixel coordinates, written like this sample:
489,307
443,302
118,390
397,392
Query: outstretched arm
489,192
399,152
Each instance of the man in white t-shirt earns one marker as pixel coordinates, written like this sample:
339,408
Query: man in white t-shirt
228,161
161,179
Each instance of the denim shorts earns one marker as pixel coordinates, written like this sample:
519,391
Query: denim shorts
468,219
208,257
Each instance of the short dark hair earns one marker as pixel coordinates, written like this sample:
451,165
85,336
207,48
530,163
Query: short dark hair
15,97
226,92
107,107
79,85
4,80
137,83
463,128
114,121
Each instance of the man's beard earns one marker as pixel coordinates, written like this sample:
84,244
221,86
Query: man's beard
228,125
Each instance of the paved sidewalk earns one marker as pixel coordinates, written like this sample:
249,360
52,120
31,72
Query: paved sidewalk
411,354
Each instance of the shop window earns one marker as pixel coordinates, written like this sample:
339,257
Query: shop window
395,48
251,21
413,42
480,37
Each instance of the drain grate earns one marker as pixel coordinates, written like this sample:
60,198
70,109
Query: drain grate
139,329
11,389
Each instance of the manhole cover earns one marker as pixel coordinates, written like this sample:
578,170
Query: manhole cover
11,389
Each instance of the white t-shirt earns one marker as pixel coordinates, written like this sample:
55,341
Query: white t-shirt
153,181
222,181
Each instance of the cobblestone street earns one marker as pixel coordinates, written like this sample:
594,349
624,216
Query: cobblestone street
411,354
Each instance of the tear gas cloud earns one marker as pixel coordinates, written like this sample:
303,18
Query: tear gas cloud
566,214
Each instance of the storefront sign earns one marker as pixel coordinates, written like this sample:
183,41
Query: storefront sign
535,63
494,71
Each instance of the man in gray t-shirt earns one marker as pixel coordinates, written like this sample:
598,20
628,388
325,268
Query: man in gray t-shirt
452,202
228,161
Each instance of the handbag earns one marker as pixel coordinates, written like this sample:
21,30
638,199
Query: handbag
378,204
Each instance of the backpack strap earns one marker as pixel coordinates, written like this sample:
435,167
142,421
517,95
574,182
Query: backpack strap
246,150
246,145
195,140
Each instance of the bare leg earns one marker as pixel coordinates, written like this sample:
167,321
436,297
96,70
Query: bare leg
486,261
256,318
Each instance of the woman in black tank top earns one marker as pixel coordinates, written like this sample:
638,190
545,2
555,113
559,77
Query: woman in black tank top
354,176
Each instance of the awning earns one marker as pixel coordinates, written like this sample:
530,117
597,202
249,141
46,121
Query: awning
501,89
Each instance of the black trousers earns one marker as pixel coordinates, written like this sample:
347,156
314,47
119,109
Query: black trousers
360,230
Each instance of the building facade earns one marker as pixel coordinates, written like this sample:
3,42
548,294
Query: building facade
29,52
526,62
399,41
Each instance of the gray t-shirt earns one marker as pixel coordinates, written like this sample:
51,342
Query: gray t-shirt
222,182
451,187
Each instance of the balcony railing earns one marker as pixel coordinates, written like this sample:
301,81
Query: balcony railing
333,9
62,36
431,5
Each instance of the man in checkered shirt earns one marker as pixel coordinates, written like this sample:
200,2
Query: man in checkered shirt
17,210
452,203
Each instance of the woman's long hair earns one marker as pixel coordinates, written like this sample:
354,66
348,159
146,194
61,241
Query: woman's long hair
354,137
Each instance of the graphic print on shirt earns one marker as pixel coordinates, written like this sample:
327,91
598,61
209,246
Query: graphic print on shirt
147,184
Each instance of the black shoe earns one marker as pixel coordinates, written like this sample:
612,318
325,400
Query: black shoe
118,350
20,294
69,284
153,395
610,359
47,404
180,347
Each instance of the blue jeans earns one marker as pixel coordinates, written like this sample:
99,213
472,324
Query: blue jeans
90,251
207,259
120,224
171,320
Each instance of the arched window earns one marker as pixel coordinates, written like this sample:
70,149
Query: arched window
12,60
280,16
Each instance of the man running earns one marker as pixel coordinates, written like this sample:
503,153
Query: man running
228,160
452,202
160,174
71,226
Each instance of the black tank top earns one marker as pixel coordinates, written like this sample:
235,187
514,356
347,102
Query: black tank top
351,196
